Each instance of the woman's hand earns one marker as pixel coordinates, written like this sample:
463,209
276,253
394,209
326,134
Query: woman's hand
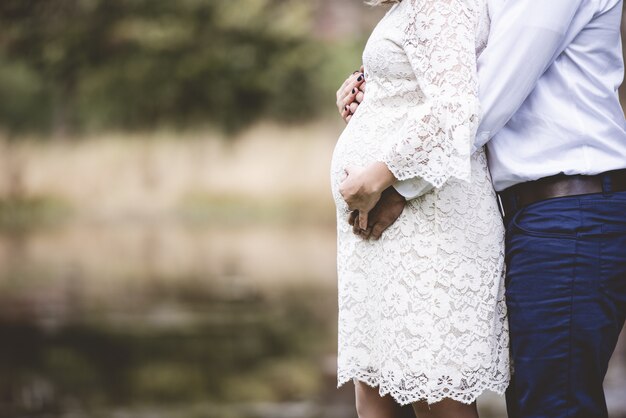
363,187
351,94
385,213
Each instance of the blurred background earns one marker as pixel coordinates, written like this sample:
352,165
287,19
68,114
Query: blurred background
167,244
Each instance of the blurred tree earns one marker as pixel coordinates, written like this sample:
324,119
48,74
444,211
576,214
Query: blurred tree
68,64
54,43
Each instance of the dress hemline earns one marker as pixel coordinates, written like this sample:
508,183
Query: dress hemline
498,388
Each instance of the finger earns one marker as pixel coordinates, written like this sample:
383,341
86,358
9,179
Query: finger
367,233
347,118
351,97
353,82
346,88
348,169
352,217
348,80
340,95
363,220
343,97
359,97
362,86
377,231
353,107
340,105
362,68
355,228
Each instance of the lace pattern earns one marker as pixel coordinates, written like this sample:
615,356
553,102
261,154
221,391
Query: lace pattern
435,142
421,311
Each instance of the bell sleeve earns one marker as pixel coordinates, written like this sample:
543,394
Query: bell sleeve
435,141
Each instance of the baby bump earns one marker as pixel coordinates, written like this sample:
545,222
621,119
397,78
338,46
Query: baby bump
351,150
361,143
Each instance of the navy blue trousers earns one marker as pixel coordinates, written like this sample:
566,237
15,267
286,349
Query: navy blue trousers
566,296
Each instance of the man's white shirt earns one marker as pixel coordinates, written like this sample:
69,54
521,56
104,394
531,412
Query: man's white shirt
548,82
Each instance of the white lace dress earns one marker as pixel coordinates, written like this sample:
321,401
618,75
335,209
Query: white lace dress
421,311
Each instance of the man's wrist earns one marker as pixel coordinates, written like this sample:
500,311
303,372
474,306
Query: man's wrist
391,193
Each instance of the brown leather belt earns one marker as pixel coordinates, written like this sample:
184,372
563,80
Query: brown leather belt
524,194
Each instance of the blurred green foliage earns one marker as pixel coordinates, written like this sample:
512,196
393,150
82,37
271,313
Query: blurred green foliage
68,65
19,214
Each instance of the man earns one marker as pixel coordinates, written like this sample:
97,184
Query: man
556,141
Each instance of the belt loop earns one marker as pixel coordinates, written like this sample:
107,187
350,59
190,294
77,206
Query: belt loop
515,203
607,184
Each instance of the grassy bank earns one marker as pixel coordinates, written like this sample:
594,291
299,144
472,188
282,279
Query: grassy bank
268,173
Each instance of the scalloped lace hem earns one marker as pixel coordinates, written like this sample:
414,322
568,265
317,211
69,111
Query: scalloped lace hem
403,398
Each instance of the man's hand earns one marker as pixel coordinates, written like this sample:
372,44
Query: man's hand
351,94
382,216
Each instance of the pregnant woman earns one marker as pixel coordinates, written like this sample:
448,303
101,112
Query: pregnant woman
422,318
